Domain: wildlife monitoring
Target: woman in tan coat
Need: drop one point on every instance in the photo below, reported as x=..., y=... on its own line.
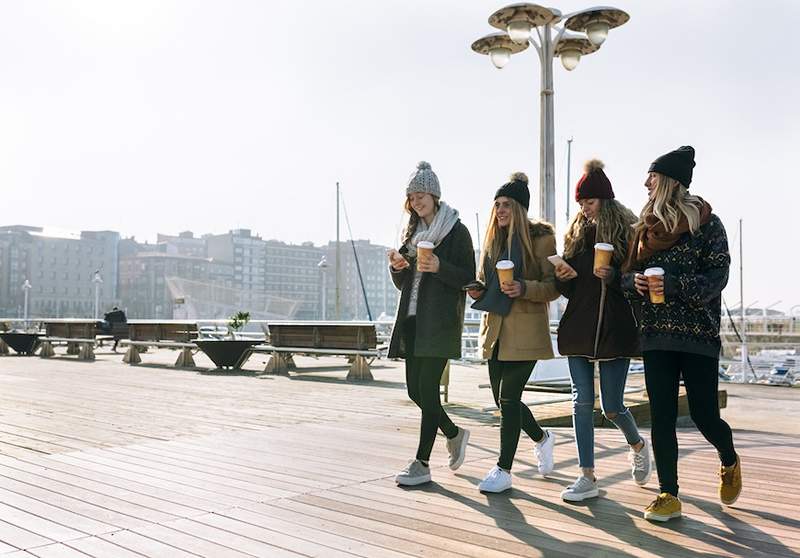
x=515, y=329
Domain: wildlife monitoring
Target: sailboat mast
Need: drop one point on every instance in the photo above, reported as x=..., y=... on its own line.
x=338, y=259
x=742, y=306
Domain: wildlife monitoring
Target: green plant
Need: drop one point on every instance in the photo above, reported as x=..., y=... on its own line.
x=238, y=321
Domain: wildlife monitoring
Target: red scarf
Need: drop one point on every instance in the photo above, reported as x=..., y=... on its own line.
x=654, y=237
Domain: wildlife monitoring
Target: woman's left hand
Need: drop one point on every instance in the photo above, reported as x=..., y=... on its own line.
x=603, y=272
x=512, y=289
x=430, y=264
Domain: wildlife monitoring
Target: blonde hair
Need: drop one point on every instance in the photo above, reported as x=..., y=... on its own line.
x=497, y=241
x=413, y=218
x=614, y=226
x=670, y=202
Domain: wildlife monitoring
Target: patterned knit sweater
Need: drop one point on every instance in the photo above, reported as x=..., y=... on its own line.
x=696, y=271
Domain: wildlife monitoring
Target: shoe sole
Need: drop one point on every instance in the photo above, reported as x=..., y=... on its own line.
x=462, y=451
x=485, y=491
x=661, y=518
x=580, y=497
x=732, y=502
x=413, y=482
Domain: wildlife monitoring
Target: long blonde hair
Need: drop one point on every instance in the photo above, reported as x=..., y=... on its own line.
x=614, y=226
x=670, y=202
x=497, y=242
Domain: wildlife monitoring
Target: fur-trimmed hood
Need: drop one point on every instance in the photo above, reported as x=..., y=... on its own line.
x=541, y=228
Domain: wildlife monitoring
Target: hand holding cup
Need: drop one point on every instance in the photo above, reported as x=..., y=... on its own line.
x=603, y=272
x=640, y=284
x=512, y=289
x=655, y=284
x=430, y=264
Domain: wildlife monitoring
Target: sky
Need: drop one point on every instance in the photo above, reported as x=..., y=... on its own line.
x=163, y=116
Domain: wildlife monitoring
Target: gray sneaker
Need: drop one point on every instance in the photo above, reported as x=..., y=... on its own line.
x=458, y=448
x=641, y=464
x=580, y=490
x=415, y=473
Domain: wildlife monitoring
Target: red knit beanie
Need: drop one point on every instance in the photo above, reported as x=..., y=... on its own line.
x=594, y=183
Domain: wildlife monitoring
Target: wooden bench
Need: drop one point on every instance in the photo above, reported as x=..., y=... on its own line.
x=79, y=335
x=356, y=340
x=172, y=334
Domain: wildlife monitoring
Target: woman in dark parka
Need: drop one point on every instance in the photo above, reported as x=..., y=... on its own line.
x=430, y=313
x=598, y=326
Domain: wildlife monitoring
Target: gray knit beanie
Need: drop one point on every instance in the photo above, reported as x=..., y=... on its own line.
x=424, y=180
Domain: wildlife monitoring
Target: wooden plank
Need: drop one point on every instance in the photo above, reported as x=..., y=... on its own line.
x=145, y=546
x=189, y=543
x=55, y=551
x=231, y=539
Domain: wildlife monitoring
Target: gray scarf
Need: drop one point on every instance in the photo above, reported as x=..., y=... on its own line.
x=443, y=222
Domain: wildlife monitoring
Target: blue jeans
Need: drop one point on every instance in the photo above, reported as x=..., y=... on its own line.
x=613, y=374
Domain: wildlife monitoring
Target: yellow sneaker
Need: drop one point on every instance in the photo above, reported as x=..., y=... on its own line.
x=663, y=508
x=730, y=483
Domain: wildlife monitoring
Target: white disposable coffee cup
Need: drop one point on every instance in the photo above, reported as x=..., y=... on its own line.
x=654, y=275
x=505, y=271
x=602, y=254
x=424, y=251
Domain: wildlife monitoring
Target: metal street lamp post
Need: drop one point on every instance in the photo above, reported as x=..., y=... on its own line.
x=26, y=287
x=323, y=267
x=524, y=24
x=97, y=282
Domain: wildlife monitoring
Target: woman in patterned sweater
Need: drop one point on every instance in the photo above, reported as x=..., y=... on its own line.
x=680, y=336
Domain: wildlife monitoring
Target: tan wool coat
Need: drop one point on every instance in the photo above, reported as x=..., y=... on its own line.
x=524, y=334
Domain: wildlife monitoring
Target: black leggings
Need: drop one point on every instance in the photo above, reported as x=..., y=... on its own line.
x=508, y=378
x=423, y=375
x=663, y=370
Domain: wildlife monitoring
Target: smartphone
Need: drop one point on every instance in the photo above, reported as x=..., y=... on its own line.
x=474, y=286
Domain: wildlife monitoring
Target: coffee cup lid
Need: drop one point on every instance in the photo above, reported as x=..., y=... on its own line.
x=505, y=264
x=425, y=244
x=604, y=246
x=653, y=271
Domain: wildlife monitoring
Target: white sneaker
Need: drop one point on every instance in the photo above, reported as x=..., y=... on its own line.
x=641, y=464
x=544, y=453
x=580, y=490
x=457, y=447
x=497, y=480
x=415, y=473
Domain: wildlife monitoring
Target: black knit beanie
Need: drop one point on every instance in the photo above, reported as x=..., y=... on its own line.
x=516, y=189
x=676, y=164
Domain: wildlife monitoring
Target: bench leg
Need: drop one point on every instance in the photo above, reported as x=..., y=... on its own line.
x=359, y=370
x=132, y=355
x=3, y=347
x=47, y=350
x=185, y=359
x=86, y=351
x=73, y=348
x=278, y=364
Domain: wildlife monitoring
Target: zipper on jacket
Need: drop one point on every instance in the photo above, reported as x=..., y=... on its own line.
x=600, y=315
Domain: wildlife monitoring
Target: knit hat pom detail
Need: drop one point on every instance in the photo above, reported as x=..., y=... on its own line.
x=424, y=180
x=594, y=184
x=518, y=177
x=593, y=165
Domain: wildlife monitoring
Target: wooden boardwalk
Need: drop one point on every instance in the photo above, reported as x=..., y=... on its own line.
x=106, y=460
